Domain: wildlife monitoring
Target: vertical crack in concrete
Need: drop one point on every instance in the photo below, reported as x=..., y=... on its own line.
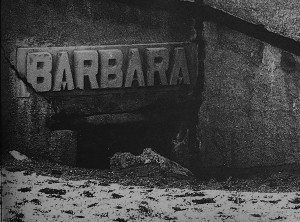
x=20, y=77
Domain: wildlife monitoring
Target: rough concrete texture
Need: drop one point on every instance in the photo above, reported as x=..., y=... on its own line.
x=251, y=110
x=73, y=23
x=63, y=146
x=30, y=23
x=278, y=16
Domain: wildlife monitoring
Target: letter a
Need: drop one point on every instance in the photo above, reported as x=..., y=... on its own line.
x=157, y=62
x=180, y=63
x=134, y=66
x=63, y=76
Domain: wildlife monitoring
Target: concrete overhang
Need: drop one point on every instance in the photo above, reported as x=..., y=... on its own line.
x=278, y=16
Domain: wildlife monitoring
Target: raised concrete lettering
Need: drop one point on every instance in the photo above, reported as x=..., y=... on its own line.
x=86, y=64
x=39, y=67
x=103, y=67
x=111, y=72
x=63, y=78
x=180, y=72
x=157, y=63
x=134, y=70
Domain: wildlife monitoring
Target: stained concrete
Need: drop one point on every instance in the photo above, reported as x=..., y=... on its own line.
x=278, y=16
x=251, y=111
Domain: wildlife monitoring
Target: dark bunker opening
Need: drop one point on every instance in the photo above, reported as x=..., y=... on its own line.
x=97, y=144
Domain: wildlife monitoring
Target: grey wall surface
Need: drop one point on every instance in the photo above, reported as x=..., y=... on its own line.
x=278, y=16
x=251, y=110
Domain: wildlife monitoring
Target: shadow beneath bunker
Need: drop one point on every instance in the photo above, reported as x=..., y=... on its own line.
x=97, y=144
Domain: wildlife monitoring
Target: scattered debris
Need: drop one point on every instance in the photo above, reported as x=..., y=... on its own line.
x=25, y=189
x=120, y=220
x=22, y=202
x=170, y=218
x=125, y=160
x=152, y=198
x=36, y=201
x=116, y=196
x=200, y=194
x=270, y=201
x=144, y=209
x=256, y=215
x=18, y=217
x=88, y=194
x=235, y=199
x=103, y=184
x=53, y=191
x=79, y=216
x=178, y=208
x=52, y=181
x=295, y=200
x=55, y=196
x=68, y=211
x=92, y=205
x=18, y=156
x=204, y=201
x=55, y=172
x=278, y=218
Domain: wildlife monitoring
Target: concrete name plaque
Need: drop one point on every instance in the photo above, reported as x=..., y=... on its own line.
x=88, y=68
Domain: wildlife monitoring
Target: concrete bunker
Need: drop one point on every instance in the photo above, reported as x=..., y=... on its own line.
x=249, y=114
x=91, y=93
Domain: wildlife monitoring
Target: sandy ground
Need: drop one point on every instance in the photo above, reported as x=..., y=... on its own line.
x=31, y=197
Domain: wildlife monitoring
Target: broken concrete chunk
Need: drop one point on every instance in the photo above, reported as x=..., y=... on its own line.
x=149, y=156
x=124, y=160
x=18, y=156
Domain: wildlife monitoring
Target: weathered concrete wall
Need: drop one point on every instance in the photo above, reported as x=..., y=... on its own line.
x=251, y=110
x=29, y=23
